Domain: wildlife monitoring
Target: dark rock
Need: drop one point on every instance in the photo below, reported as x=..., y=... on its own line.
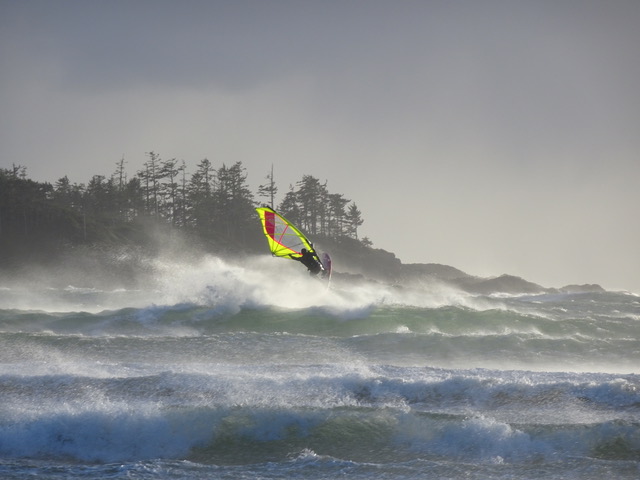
x=586, y=288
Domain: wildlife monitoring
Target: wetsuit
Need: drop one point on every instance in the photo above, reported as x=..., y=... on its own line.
x=309, y=260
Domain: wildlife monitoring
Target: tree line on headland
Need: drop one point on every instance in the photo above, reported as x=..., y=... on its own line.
x=213, y=205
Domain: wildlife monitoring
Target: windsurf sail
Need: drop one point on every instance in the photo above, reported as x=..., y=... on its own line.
x=283, y=237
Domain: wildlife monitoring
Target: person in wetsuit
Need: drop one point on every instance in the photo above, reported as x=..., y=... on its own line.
x=309, y=260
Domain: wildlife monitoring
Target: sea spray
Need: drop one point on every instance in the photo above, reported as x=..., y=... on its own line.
x=248, y=369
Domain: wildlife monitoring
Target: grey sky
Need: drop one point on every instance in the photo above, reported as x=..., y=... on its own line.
x=494, y=136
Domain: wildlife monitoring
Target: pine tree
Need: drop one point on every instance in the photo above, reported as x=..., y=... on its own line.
x=268, y=190
x=150, y=179
x=169, y=189
x=337, y=204
x=201, y=206
x=354, y=220
x=235, y=202
x=289, y=206
x=309, y=201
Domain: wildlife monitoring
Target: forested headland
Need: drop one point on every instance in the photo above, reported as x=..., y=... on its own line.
x=213, y=207
x=113, y=225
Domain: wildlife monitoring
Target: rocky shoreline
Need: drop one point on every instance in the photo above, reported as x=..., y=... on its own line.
x=359, y=264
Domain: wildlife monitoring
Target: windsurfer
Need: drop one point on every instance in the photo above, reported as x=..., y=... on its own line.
x=309, y=260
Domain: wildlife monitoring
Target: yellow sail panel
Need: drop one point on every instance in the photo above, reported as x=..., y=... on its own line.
x=283, y=237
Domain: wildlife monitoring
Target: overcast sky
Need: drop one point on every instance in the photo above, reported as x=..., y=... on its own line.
x=494, y=136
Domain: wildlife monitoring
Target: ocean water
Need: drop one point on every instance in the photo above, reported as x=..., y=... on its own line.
x=256, y=371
